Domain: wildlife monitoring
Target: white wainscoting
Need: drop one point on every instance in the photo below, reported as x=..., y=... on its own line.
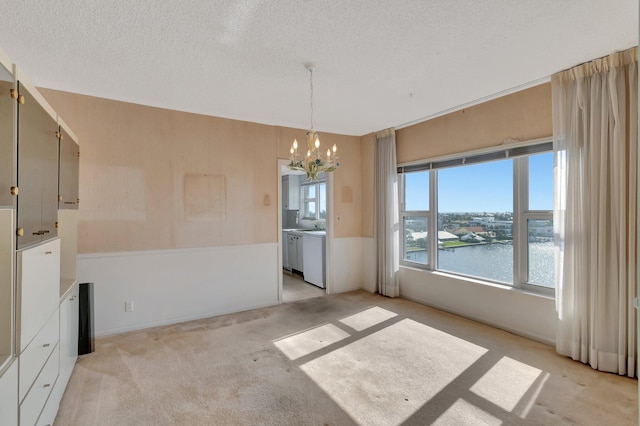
x=346, y=267
x=171, y=286
x=369, y=264
x=525, y=314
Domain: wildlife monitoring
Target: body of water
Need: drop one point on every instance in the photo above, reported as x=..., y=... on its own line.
x=495, y=262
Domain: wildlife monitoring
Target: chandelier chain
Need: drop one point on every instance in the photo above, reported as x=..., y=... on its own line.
x=311, y=97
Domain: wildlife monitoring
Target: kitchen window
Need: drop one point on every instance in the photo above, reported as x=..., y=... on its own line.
x=484, y=214
x=314, y=200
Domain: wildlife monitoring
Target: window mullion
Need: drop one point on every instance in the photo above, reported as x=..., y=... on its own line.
x=432, y=220
x=520, y=205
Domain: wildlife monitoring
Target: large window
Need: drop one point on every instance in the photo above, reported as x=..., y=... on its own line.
x=475, y=206
x=314, y=200
x=491, y=212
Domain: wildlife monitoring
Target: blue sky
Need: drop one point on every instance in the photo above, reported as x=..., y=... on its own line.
x=485, y=187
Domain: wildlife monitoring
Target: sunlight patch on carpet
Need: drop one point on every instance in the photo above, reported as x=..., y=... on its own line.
x=508, y=383
x=385, y=377
x=309, y=341
x=465, y=413
x=369, y=318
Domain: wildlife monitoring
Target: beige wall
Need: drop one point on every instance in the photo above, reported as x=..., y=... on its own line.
x=524, y=115
x=153, y=178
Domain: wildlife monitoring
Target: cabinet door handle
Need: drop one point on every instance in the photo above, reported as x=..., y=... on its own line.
x=46, y=345
x=48, y=252
x=46, y=385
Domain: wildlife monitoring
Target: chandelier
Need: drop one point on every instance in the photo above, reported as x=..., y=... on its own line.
x=312, y=164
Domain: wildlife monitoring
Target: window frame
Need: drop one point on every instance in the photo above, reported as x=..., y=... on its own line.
x=522, y=216
x=317, y=199
x=519, y=152
x=403, y=213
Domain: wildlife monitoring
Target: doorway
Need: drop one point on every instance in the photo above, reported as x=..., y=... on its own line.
x=301, y=216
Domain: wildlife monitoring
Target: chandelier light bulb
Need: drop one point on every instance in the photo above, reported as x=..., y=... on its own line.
x=328, y=154
x=317, y=142
x=335, y=148
x=295, y=144
x=309, y=153
x=291, y=150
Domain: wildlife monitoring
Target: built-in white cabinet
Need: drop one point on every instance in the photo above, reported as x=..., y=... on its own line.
x=68, y=334
x=7, y=287
x=38, y=285
x=8, y=109
x=291, y=192
x=38, y=288
x=68, y=196
x=38, y=146
x=33, y=404
x=9, y=395
x=33, y=358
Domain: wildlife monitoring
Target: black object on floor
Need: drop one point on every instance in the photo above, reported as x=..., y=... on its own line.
x=86, y=340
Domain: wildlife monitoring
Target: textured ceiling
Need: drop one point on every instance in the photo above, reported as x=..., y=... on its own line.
x=380, y=63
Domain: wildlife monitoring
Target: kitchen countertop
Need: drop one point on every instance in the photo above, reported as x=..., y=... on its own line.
x=314, y=232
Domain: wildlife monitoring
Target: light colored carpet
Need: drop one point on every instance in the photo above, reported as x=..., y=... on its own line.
x=347, y=359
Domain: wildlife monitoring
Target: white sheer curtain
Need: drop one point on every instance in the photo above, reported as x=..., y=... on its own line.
x=595, y=125
x=386, y=213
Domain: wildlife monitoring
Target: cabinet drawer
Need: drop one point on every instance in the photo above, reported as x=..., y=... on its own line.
x=35, y=355
x=51, y=407
x=39, y=288
x=33, y=404
x=69, y=319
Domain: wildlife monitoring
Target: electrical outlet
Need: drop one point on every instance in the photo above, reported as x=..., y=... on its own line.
x=128, y=306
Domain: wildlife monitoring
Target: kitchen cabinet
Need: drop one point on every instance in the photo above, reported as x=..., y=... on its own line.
x=37, y=200
x=7, y=127
x=68, y=197
x=295, y=251
x=285, y=251
x=291, y=192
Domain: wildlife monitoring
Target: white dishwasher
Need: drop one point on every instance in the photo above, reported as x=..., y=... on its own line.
x=313, y=257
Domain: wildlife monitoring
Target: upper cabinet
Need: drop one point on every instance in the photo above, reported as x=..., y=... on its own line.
x=7, y=134
x=291, y=192
x=68, y=197
x=37, y=205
